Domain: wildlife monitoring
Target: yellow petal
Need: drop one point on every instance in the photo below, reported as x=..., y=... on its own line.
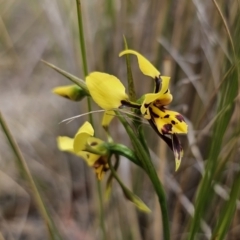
x=165, y=84
x=96, y=144
x=81, y=137
x=106, y=90
x=107, y=118
x=145, y=66
x=90, y=158
x=168, y=122
x=158, y=98
x=177, y=150
x=65, y=144
x=72, y=92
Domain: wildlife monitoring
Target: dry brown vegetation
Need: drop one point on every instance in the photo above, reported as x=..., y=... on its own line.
x=187, y=40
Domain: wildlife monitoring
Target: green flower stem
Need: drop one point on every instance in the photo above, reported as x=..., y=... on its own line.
x=85, y=70
x=53, y=233
x=81, y=37
x=122, y=150
x=142, y=138
x=131, y=88
x=150, y=170
x=101, y=213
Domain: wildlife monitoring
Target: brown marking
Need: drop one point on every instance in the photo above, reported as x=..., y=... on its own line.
x=173, y=122
x=146, y=105
x=166, y=116
x=167, y=128
x=93, y=144
x=180, y=118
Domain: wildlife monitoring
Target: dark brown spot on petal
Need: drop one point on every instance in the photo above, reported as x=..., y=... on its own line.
x=165, y=138
x=180, y=118
x=93, y=143
x=177, y=147
x=88, y=155
x=158, y=82
x=167, y=128
x=166, y=91
x=153, y=114
x=167, y=116
x=146, y=105
x=173, y=122
x=105, y=168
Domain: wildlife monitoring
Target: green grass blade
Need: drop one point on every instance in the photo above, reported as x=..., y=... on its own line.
x=227, y=96
x=53, y=233
x=71, y=77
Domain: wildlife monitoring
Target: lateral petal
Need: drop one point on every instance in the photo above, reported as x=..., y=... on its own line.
x=65, y=144
x=106, y=90
x=81, y=137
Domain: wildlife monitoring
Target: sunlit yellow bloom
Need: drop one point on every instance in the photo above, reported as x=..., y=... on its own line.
x=165, y=122
x=79, y=146
x=106, y=90
x=72, y=92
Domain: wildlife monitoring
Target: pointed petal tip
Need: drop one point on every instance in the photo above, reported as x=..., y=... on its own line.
x=177, y=164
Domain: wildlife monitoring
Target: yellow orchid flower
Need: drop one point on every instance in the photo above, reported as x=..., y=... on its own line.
x=164, y=122
x=109, y=93
x=79, y=146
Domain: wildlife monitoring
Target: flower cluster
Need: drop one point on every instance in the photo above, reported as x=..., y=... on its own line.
x=110, y=94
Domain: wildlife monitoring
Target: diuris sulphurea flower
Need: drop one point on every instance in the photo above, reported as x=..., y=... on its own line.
x=86, y=146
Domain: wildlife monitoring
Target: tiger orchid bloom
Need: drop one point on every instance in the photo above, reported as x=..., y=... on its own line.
x=86, y=146
x=153, y=108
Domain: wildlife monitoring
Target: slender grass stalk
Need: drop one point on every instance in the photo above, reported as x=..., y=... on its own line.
x=225, y=24
x=150, y=170
x=85, y=70
x=131, y=88
x=53, y=233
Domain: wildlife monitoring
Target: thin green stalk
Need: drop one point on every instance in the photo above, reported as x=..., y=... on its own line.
x=150, y=170
x=122, y=150
x=102, y=223
x=85, y=70
x=81, y=38
x=53, y=233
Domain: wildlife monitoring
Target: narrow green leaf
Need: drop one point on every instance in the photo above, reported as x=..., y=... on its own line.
x=71, y=77
x=226, y=96
x=52, y=230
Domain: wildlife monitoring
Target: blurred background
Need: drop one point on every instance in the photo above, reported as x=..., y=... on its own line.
x=184, y=39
